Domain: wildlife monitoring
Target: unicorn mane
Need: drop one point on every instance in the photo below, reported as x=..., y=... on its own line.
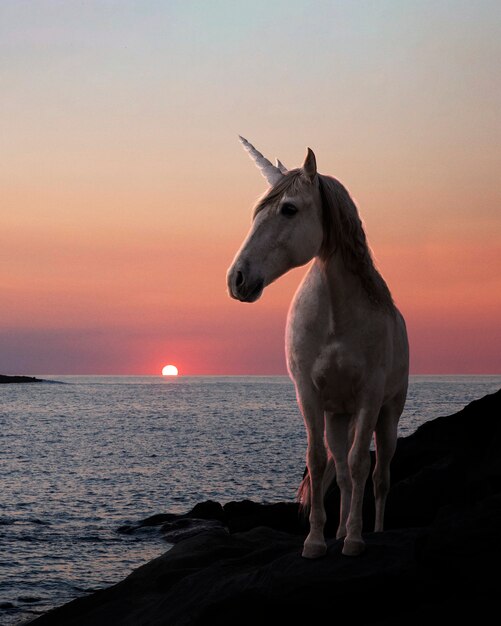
x=343, y=231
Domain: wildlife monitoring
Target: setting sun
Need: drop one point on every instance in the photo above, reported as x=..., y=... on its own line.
x=170, y=370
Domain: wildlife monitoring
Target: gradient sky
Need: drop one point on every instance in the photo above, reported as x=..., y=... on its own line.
x=125, y=193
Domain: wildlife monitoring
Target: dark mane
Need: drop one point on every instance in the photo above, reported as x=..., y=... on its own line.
x=343, y=231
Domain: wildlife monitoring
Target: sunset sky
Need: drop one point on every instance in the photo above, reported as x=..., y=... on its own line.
x=125, y=194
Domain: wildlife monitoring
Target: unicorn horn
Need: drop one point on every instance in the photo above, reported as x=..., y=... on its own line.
x=268, y=170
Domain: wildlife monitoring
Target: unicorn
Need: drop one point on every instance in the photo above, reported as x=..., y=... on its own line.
x=346, y=342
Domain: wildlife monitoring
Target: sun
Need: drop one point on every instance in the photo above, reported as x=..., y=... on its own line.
x=170, y=370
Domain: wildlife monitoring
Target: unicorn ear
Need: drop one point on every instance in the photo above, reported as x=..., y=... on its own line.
x=268, y=170
x=281, y=166
x=310, y=165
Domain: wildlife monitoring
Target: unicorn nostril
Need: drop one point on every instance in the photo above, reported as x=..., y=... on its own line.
x=239, y=279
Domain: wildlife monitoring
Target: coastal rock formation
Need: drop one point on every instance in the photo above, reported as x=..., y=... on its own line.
x=437, y=562
x=19, y=379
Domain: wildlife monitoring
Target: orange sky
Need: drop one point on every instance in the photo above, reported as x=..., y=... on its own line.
x=125, y=193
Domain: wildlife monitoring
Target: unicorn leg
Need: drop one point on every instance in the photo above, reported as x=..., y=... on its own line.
x=314, y=545
x=337, y=427
x=359, y=462
x=385, y=437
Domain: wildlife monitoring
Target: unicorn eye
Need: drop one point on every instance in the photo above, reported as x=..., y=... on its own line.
x=287, y=209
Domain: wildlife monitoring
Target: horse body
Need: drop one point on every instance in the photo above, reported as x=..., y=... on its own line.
x=338, y=346
x=346, y=343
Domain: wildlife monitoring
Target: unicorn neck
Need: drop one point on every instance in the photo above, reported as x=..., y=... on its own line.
x=351, y=274
x=348, y=298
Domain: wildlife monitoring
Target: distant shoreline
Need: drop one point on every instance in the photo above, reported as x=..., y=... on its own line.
x=20, y=379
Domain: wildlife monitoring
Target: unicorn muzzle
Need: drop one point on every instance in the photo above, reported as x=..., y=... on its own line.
x=243, y=286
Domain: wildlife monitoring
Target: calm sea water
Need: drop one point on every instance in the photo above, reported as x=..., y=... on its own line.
x=79, y=459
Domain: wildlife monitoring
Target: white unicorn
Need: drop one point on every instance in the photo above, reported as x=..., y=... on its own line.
x=346, y=342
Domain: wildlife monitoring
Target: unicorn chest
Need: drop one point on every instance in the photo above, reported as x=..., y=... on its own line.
x=337, y=375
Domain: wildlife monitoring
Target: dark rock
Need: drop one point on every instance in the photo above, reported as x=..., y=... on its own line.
x=236, y=516
x=244, y=515
x=447, y=465
x=208, y=510
x=26, y=379
x=184, y=528
x=19, y=379
x=437, y=562
x=153, y=520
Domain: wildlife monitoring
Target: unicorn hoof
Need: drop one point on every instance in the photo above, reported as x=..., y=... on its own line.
x=314, y=550
x=353, y=548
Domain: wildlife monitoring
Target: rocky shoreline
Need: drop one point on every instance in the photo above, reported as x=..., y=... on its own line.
x=240, y=563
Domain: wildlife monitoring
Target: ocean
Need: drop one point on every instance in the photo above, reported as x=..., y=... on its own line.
x=81, y=458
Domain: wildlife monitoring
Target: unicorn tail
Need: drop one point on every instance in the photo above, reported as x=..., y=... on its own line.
x=304, y=491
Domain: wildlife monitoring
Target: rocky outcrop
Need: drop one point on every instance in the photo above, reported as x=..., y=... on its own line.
x=240, y=563
x=19, y=379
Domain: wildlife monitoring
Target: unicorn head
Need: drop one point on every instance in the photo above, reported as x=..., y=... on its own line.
x=286, y=229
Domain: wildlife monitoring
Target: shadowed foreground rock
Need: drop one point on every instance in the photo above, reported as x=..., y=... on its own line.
x=438, y=562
